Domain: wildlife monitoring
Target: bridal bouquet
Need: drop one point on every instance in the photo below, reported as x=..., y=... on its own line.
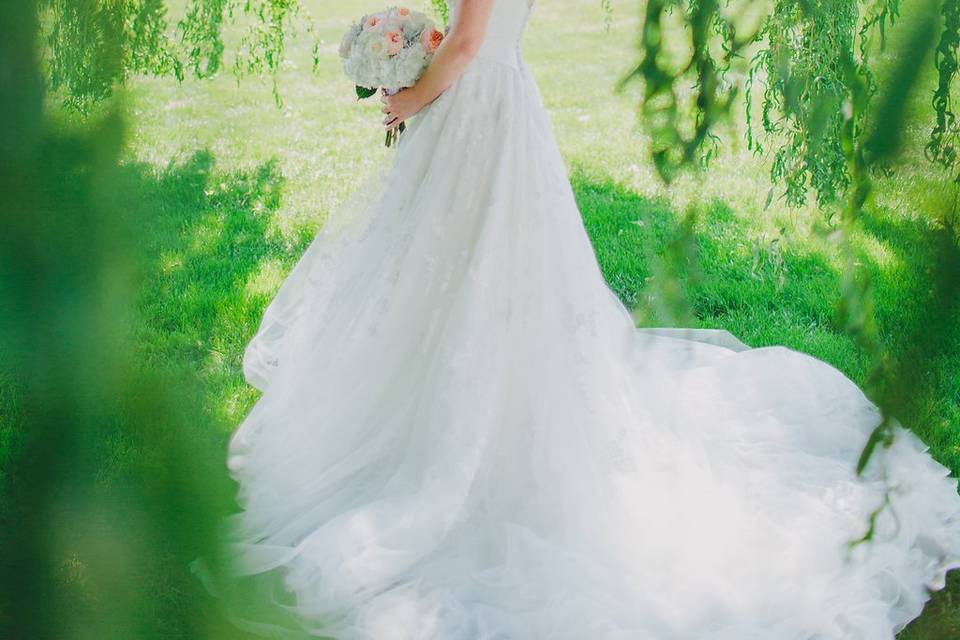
x=389, y=50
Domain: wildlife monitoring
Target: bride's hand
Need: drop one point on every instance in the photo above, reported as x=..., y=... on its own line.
x=399, y=107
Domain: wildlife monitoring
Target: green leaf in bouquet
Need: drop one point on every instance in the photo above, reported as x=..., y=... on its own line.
x=364, y=92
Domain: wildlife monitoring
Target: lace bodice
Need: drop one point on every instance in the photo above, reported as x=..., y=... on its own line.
x=504, y=30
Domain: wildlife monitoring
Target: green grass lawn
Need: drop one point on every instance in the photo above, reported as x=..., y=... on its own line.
x=227, y=190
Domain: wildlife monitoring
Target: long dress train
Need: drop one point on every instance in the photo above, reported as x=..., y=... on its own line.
x=463, y=436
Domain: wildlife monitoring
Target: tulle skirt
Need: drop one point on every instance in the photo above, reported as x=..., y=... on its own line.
x=462, y=435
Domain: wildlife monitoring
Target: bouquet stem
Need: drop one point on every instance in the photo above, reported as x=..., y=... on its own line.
x=393, y=135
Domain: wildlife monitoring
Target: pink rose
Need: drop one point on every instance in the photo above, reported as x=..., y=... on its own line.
x=394, y=42
x=372, y=22
x=431, y=39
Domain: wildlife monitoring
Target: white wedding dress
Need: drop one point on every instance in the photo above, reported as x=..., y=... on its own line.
x=463, y=436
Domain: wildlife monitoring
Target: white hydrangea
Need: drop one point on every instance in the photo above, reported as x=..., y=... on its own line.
x=409, y=66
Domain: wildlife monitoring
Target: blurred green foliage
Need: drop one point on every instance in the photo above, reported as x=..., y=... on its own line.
x=90, y=546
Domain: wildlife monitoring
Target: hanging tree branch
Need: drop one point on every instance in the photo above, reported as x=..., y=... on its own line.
x=673, y=148
x=945, y=136
x=94, y=45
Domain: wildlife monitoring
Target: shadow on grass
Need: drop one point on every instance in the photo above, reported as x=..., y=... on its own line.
x=213, y=264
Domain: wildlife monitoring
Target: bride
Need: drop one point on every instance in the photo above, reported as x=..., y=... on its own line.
x=462, y=435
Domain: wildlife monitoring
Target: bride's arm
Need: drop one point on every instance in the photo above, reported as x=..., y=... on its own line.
x=455, y=52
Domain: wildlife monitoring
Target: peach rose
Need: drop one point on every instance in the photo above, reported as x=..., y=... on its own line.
x=394, y=42
x=403, y=12
x=372, y=22
x=431, y=39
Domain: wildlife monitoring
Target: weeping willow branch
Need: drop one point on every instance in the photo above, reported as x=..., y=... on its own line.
x=801, y=52
x=804, y=70
x=94, y=45
x=673, y=148
x=945, y=136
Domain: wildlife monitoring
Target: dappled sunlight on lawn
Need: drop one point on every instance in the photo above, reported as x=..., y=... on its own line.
x=206, y=235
